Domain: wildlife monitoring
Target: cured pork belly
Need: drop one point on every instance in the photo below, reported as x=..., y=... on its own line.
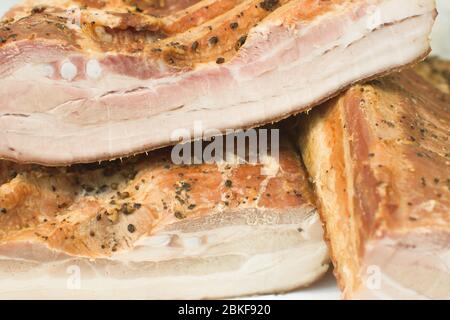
x=148, y=229
x=93, y=80
x=379, y=157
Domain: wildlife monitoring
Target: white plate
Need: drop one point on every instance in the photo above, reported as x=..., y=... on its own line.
x=327, y=288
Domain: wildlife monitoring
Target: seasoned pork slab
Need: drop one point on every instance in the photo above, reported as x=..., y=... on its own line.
x=148, y=229
x=93, y=80
x=379, y=156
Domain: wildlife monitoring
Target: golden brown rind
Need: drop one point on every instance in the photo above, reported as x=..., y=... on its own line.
x=96, y=210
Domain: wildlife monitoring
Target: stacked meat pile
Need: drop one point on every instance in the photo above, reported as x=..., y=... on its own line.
x=88, y=87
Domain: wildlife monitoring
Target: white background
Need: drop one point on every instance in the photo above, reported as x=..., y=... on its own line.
x=326, y=288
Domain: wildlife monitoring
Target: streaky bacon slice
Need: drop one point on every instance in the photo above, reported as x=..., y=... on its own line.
x=145, y=228
x=94, y=80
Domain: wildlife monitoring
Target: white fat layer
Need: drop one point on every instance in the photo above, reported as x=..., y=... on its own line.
x=192, y=242
x=415, y=265
x=283, y=270
x=155, y=241
x=46, y=70
x=432, y=282
x=222, y=262
x=169, y=245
